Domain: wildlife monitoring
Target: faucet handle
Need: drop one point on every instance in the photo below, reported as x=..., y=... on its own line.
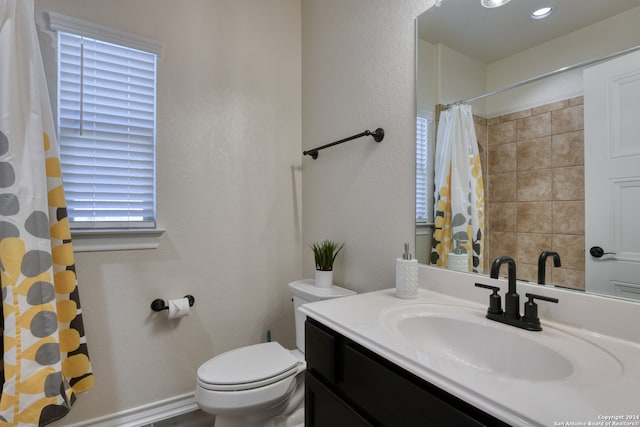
x=540, y=297
x=531, y=310
x=495, y=301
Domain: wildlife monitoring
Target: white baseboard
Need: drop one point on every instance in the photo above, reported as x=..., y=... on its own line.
x=145, y=414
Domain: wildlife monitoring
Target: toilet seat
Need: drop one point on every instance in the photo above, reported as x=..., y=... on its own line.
x=248, y=367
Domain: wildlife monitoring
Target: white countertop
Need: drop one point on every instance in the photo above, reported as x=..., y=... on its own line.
x=519, y=402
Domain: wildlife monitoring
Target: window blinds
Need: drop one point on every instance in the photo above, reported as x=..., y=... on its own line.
x=106, y=129
x=422, y=170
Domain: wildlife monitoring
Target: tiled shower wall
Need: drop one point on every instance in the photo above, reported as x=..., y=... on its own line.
x=533, y=165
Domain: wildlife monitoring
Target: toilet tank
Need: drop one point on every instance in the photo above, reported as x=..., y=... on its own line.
x=305, y=291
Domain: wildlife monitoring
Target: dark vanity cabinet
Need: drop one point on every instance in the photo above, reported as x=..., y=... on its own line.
x=350, y=386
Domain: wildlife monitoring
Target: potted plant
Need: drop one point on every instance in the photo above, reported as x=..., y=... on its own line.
x=325, y=253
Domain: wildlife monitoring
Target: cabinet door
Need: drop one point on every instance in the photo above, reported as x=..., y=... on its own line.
x=320, y=351
x=393, y=399
x=324, y=409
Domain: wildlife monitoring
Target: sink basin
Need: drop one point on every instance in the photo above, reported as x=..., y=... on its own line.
x=459, y=338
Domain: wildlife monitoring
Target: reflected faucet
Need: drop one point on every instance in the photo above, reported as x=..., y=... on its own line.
x=542, y=264
x=511, y=299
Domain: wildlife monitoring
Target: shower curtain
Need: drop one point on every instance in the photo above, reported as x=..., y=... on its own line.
x=459, y=192
x=45, y=355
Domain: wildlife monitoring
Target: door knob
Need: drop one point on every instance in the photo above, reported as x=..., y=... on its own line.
x=597, y=252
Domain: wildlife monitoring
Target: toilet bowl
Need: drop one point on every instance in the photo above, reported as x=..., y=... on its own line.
x=261, y=385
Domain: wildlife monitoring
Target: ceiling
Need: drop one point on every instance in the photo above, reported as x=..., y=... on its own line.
x=493, y=29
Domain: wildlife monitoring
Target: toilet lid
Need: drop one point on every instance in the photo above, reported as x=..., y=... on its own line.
x=248, y=367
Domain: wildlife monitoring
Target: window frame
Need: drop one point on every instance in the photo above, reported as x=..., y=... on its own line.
x=107, y=239
x=423, y=225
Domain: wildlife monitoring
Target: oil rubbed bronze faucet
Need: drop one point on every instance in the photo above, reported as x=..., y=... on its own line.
x=511, y=315
x=542, y=264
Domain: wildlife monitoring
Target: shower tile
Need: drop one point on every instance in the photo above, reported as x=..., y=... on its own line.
x=485, y=176
x=502, y=243
x=522, y=221
x=550, y=107
x=502, y=133
x=528, y=272
x=534, y=185
x=517, y=115
x=480, y=126
x=479, y=120
x=571, y=250
x=535, y=217
x=502, y=187
x=502, y=216
x=530, y=245
x=567, y=149
x=567, y=120
x=568, y=183
x=502, y=158
x=534, y=126
x=567, y=278
x=534, y=153
x=578, y=100
x=568, y=217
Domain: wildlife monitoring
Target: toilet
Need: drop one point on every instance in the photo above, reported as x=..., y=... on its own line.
x=262, y=385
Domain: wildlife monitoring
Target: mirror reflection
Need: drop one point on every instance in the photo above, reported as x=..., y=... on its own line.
x=552, y=152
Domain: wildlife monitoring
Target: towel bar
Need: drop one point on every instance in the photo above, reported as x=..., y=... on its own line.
x=378, y=135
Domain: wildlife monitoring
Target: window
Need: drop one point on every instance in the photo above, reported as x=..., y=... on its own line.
x=106, y=110
x=106, y=131
x=106, y=100
x=424, y=170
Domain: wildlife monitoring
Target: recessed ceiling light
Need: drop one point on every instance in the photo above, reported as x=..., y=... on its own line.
x=494, y=3
x=541, y=13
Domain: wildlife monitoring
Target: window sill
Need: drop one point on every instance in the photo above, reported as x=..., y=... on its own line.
x=424, y=228
x=115, y=240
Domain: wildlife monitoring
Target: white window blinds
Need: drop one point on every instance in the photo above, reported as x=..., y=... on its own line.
x=106, y=130
x=422, y=170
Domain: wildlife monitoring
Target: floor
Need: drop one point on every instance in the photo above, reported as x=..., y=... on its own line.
x=190, y=419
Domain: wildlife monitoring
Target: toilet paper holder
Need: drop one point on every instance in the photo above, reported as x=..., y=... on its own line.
x=159, y=304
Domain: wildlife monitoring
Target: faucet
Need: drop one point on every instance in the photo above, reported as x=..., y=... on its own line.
x=542, y=264
x=511, y=315
x=511, y=299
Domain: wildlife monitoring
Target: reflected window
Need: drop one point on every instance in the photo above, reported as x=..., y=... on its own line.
x=424, y=168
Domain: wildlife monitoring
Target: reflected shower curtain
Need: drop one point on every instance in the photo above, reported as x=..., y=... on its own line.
x=459, y=192
x=45, y=355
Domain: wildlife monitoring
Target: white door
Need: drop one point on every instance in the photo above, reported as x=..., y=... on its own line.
x=612, y=176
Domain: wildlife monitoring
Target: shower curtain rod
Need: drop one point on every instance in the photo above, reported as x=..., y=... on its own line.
x=544, y=76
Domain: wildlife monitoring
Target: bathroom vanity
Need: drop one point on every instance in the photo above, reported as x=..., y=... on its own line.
x=377, y=360
x=348, y=385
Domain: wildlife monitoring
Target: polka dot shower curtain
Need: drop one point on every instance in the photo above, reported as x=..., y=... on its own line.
x=45, y=355
x=459, y=192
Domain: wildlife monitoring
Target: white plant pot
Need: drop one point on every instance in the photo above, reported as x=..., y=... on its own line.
x=324, y=279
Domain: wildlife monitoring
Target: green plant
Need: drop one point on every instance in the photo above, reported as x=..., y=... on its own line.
x=325, y=253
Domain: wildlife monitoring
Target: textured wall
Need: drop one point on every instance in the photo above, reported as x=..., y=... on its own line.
x=228, y=159
x=229, y=151
x=358, y=62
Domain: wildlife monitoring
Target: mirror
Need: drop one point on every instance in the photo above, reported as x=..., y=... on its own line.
x=531, y=138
